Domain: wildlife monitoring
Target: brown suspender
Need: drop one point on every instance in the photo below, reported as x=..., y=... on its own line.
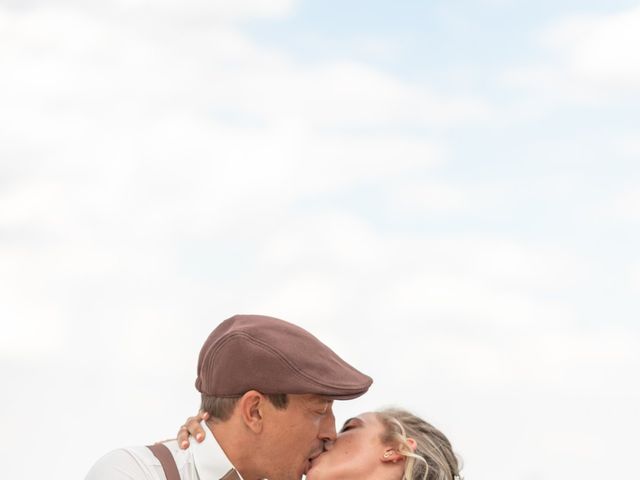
x=231, y=475
x=163, y=454
x=168, y=463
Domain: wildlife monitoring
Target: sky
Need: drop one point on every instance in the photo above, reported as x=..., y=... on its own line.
x=446, y=193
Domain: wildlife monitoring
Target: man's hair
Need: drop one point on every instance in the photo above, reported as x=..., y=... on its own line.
x=221, y=408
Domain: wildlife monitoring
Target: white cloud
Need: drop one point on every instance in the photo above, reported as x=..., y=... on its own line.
x=600, y=49
x=592, y=59
x=120, y=137
x=219, y=8
x=625, y=205
x=32, y=327
x=34, y=322
x=172, y=10
x=634, y=277
x=452, y=279
x=430, y=198
x=97, y=113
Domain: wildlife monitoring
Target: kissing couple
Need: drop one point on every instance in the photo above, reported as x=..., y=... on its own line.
x=267, y=389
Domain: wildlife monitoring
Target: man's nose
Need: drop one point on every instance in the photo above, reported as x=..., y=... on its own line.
x=328, y=445
x=328, y=427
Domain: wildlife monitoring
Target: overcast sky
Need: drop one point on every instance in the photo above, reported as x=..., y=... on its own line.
x=446, y=193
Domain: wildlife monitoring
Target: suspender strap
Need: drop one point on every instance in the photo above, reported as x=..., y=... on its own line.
x=231, y=475
x=167, y=461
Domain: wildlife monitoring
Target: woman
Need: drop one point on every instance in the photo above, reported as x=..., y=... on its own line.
x=390, y=444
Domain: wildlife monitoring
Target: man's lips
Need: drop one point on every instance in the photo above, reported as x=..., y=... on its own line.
x=307, y=466
x=311, y=459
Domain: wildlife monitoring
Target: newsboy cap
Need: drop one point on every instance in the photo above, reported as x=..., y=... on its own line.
x=255, y=352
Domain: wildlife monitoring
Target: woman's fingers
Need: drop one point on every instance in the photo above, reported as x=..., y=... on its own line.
x=192, y=427
x=183, y=437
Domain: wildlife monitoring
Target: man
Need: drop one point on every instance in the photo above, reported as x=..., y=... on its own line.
x=268, y=387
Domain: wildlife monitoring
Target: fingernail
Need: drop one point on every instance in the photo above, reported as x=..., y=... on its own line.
x=184, y=444
x=199, y=437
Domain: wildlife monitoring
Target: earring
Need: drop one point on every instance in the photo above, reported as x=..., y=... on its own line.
x=387, y=454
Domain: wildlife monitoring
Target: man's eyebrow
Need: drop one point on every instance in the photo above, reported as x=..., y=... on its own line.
x=320, y=402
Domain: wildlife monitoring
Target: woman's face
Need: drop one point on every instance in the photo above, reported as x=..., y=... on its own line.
x=356, y=453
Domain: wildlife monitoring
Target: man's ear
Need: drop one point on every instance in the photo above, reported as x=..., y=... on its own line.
x=250, y=408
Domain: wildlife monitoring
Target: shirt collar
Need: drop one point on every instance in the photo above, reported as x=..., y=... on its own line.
x=209, y=458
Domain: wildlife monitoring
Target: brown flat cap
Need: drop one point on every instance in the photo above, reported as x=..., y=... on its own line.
x=254, y=352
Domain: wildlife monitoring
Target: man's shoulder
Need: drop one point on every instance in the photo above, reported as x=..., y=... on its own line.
x=133, y=463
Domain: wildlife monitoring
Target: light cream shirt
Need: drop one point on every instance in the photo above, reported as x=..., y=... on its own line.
x=201, y=461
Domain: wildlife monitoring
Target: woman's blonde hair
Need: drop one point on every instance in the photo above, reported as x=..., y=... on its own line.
x=433, y=458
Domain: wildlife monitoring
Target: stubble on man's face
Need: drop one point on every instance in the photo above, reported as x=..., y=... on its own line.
x=296, y=434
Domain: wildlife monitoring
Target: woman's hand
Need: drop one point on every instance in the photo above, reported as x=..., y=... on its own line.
x=192, y=427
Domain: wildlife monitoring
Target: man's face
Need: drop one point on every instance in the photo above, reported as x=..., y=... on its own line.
x=295, y=435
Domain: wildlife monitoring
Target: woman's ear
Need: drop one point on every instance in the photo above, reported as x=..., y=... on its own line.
x=391, y=455
x=412, y=444
x=250, y=408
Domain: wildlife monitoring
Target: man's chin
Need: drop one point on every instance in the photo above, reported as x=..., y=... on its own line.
x=309, y=471
x=307, y=467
